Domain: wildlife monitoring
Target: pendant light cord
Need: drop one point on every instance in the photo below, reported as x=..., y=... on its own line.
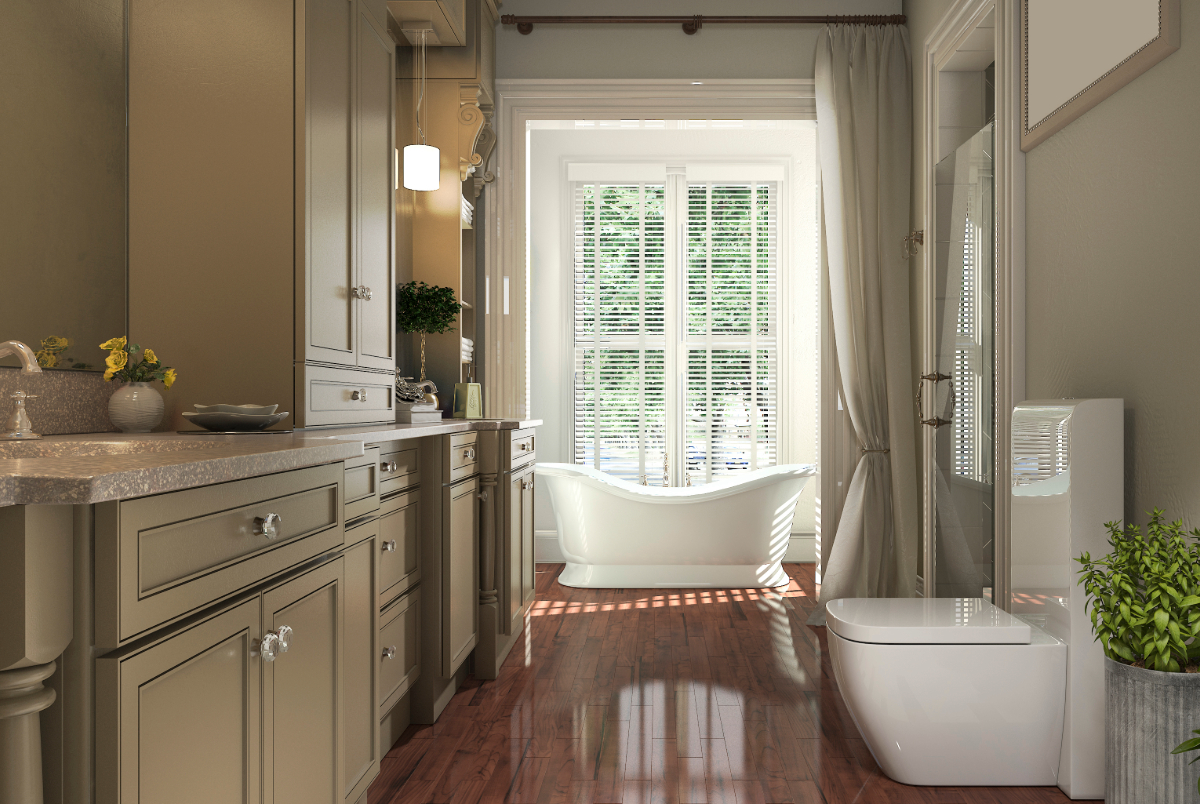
x=419, y=67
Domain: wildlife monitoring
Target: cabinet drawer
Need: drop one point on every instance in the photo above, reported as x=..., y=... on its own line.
x=362, y=484
x=463, y=458
x=522, y=447
x=398, y=469
x=159, y=558
x=399, y=547
x=399, y=649
x=344, y=396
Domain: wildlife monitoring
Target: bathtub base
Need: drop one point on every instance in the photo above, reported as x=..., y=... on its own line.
x=670, y=576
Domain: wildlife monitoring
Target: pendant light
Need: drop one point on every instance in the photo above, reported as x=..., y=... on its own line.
x=422, y=163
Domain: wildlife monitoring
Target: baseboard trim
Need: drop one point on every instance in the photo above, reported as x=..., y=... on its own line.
x=802, y=547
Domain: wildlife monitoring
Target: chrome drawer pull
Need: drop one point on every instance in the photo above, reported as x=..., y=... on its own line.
x=389, y=652
x=275, y=643
x=389, y=546
x=268, y=525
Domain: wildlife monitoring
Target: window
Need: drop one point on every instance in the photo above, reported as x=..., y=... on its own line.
x=676, y=327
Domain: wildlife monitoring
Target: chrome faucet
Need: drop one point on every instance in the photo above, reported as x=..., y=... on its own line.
x=19, y=427
x=29, y=364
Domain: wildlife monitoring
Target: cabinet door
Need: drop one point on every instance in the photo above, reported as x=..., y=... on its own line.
x=179, y=720
x=302, y=690
x=527, y=560
x=359, y=665
x=460, y=573
x=375, y=179
x=323, y=182
x=511, y=549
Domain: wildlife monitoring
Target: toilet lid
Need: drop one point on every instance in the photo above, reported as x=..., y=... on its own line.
x=925, y=621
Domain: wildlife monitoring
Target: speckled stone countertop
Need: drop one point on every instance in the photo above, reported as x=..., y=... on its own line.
x=78, y=469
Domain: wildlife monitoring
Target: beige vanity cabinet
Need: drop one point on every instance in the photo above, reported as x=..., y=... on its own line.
x=507, y=582
x=261, y=264
x=245, y=705
x=449, y=569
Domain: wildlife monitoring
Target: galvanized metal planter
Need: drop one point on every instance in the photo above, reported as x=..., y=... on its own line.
x=1147, y=713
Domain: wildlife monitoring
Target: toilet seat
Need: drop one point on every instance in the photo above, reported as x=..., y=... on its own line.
x=950, y=691
x=925, y=621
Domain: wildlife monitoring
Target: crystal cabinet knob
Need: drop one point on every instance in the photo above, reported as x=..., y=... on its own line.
x=389, y=652
x=360, y=395
x=469, y=453
x=268, y=525
x=389, y=467
x=389, y=546
x=274, y=643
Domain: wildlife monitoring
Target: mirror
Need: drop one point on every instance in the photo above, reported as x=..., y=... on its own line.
x=63, y=195
x=964, y=332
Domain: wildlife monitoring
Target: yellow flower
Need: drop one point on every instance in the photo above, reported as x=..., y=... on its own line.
x=116, y=360
x=149, y=356
x=169, y=377
x=46, y=358
x=114, y=344
x=55, y=344
x=108, y=374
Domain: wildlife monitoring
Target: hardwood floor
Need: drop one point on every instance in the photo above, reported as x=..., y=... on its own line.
x=652, y=696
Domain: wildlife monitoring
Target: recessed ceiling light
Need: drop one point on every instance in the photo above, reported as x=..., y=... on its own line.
x=697, y=83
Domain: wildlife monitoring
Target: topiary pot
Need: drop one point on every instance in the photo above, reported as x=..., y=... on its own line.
x=1147, y=713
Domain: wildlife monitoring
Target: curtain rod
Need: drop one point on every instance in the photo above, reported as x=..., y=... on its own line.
x=694, y=23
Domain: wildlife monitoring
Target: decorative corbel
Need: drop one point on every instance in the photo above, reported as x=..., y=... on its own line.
x=471, y=121
x=484, y=149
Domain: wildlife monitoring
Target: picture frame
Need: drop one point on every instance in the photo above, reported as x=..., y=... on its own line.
x=1076, y=53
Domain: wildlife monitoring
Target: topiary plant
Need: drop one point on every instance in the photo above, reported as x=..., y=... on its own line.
x=1144, y=596
x=425, y=309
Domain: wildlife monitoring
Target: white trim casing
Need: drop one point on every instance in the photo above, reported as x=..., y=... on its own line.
x=958, y=23
x=506, y=372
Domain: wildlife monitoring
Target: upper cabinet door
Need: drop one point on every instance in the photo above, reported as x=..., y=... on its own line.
x=375, y=183
x=323, y=180
x=302, y=742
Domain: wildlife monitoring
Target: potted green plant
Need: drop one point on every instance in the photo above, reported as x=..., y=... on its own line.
x=1144, y=603
x=426, y=310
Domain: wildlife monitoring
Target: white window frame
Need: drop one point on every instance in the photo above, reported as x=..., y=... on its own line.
x=693, y=170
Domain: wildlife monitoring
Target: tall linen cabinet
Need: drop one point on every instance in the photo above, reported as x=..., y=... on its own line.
x=261, y=203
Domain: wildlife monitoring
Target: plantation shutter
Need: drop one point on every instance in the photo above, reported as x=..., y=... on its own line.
x=620, y=417
x=731, y=328
x=706, y=392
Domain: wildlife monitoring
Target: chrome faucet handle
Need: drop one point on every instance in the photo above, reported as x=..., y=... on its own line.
x=19, y=427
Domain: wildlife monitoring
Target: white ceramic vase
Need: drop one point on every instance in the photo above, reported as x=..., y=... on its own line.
x=135, y=408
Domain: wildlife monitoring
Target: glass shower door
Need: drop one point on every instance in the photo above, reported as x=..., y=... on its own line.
x=963, y=380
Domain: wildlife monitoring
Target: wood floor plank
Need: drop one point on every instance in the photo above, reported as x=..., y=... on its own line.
x=653, y=696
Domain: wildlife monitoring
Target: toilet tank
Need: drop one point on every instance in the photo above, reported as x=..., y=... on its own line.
x=1067, y=481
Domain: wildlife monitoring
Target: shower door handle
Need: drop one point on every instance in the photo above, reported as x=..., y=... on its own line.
x=935, y=378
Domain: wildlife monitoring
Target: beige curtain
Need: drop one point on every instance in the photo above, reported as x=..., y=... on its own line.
x=864, y=130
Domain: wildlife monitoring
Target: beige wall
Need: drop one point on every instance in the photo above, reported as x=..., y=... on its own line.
x=62, y=159
x=665, y=51
x=1111, y=279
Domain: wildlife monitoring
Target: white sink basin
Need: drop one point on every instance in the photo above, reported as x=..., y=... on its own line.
x=76, y=448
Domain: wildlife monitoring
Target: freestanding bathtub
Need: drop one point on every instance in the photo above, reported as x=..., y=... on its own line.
x=728, y=534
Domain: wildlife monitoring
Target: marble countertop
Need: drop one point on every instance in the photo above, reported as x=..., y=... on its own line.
x=80, y=469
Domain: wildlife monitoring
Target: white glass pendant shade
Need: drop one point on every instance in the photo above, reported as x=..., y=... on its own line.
x=422, y=167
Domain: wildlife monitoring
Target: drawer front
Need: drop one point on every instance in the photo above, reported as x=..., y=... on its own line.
x=399, y=649
x=399, y=547
x=362, y=484
x=398, y=470
x=344, y=396
x=522, y=447
x=464, y=456
x=159, y=558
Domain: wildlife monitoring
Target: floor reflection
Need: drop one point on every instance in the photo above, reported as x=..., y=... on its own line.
x=639, y=696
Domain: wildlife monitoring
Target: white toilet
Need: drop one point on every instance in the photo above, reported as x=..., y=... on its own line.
x=951, y=691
